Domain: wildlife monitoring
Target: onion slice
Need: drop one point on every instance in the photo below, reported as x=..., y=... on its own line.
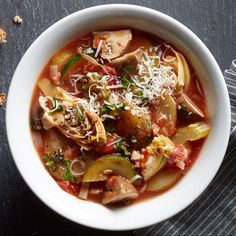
x=136, y=180
x=77, y=167
x=83, y=194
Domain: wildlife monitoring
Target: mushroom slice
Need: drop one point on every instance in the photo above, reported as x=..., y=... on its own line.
x=119, y=189
x=111, y=43
x=186, y=105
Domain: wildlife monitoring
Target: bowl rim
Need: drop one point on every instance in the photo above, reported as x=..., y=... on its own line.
x=144, y=10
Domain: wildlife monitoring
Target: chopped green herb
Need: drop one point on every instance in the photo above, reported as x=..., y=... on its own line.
x=121, y=146
x=182, y=107
x=50, y=163
x=56, y=156
x=139, y=93
x=84, y=156
x=52, y=155
x=46, y=157
x=53, y=168
x=80, y=113
x=126, y=83
x=110, y=129
x=106, y=109
x=118, y=145
x=67, y=175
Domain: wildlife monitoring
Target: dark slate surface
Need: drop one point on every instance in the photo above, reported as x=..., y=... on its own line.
x=214, y=21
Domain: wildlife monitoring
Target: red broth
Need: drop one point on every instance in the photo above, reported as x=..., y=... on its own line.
x=69, y=148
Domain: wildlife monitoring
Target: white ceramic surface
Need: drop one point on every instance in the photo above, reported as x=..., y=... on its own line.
x=147, y=212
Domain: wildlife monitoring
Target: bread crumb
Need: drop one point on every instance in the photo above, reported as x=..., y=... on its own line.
x=3, y=98
x=17, y=20
x=3, y=36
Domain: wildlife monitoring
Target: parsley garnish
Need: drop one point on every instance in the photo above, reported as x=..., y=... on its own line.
x=67, y=175
x=121, y=146
x=126, y=83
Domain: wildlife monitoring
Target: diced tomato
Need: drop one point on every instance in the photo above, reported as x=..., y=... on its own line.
x=109, y=146
x=96, y=42
x=145, y=154
x=68, y=186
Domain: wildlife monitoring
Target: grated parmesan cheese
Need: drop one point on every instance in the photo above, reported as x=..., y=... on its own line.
x=99, y=48
x=154, y=80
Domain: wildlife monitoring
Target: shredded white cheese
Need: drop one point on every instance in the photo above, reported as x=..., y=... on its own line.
x=155, y=79
x=99, y=48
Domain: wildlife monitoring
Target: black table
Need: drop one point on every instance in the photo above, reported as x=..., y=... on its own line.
x=214, y=21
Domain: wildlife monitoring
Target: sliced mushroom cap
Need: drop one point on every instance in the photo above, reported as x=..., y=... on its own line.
x=189, y=105
x=112, y=43
x=119, y=189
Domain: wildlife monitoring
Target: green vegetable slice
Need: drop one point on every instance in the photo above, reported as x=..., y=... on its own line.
x=74, y=59
x=118, y=164
x=192, y=132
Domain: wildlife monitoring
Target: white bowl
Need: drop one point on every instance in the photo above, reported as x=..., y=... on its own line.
x=147, y=212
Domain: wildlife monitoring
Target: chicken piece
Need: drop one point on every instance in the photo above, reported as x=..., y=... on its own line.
x=111, y=43
x=119, y=189
x=133, y=58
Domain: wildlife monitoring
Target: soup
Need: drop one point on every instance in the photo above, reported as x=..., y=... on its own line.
x=118, y=116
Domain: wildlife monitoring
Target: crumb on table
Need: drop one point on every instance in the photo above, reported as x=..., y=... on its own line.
x=17, y=20
x=3, y=98
x=3, y=36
